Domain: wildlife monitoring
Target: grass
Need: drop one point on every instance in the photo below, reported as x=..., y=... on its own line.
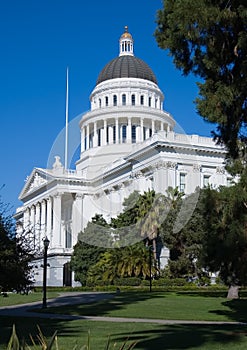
x=16, y=299
x=149, y=336
x=171, y=306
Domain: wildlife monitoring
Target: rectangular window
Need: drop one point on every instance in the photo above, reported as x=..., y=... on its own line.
x=206, y=180
x=142, y=100
x=123, y=99
x=124, y=133
x=133, y=100
x=182, y=182
x=133, y=134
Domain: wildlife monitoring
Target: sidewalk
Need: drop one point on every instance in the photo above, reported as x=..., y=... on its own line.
x=25, y=310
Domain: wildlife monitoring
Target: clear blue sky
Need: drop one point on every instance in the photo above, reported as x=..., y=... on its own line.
x=39, y=39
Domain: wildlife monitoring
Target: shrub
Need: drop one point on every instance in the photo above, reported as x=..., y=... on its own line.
x=127, y=281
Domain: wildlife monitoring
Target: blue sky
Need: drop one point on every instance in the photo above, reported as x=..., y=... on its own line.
x=39, y=39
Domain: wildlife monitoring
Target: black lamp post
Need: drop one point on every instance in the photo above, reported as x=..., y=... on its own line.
x=46, y=245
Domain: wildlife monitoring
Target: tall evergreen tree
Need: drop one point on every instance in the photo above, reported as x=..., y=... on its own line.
x=209, y=39
x=225, y=240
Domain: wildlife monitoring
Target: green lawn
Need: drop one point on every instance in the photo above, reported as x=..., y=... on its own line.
x=149, y=336
x=15, y=299
x=171, y=306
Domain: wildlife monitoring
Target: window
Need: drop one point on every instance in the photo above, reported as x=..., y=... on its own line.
x=114, y=100
x=124, y=133
x=106, y=101
x=100, y=103
x=142, y=100
x=99, y=137
x=123, y=99
x=114, y=133
x=107, y=134
x=133, y=134
x=90, y=141
x=182, y=182
x=206, y=180
x=149, y=101
x=133, y=100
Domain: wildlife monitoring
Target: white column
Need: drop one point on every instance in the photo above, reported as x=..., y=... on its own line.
x=56, y=233
x=83, y=139
x=141, y=131
x=104, y=141
x=147, y=133
x=161, y=126
x=117, y=130
x=32, y=219
x=87, y=137
x=26, y=219
x=110, y=135
x=95, y=135
x=77, y=217
x=153, y=130
x=129, y=129
x=37, y=225
x=49, y=219
x=43, y=219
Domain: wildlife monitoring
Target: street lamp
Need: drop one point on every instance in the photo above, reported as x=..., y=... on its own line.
x=46, y=245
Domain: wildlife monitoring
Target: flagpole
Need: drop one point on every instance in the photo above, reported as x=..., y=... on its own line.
x=66, y=121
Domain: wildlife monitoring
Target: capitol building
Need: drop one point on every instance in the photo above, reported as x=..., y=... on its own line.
x=128, y=143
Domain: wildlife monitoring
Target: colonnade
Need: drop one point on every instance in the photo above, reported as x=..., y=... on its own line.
x=118, y=130
x=46, y=218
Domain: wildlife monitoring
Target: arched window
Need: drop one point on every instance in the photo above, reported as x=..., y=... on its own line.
x=123, y=99
x=114, y=100
x=149, y=101
x=106, y=101
x=133, y=100
x=142, y=100
x=100, y=103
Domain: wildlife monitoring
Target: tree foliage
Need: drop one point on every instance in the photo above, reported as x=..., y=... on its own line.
x=15, y=256
x=209, y=39
x=184, y=244
x=86, y=255
x=225, y=241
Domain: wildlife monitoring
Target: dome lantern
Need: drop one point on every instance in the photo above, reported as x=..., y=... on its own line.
x=126, y=46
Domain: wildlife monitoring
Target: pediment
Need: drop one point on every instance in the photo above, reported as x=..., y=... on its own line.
x=37, y=179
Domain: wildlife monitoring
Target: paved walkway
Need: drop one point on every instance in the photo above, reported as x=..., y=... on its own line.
x=25, y=310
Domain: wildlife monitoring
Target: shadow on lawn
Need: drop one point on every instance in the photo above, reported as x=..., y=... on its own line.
x=158, y=337
x=237, y=310
x=104, y=307
x=187, y=337
x=29, y=326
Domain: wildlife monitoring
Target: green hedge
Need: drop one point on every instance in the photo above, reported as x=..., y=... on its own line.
x=127, y=281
